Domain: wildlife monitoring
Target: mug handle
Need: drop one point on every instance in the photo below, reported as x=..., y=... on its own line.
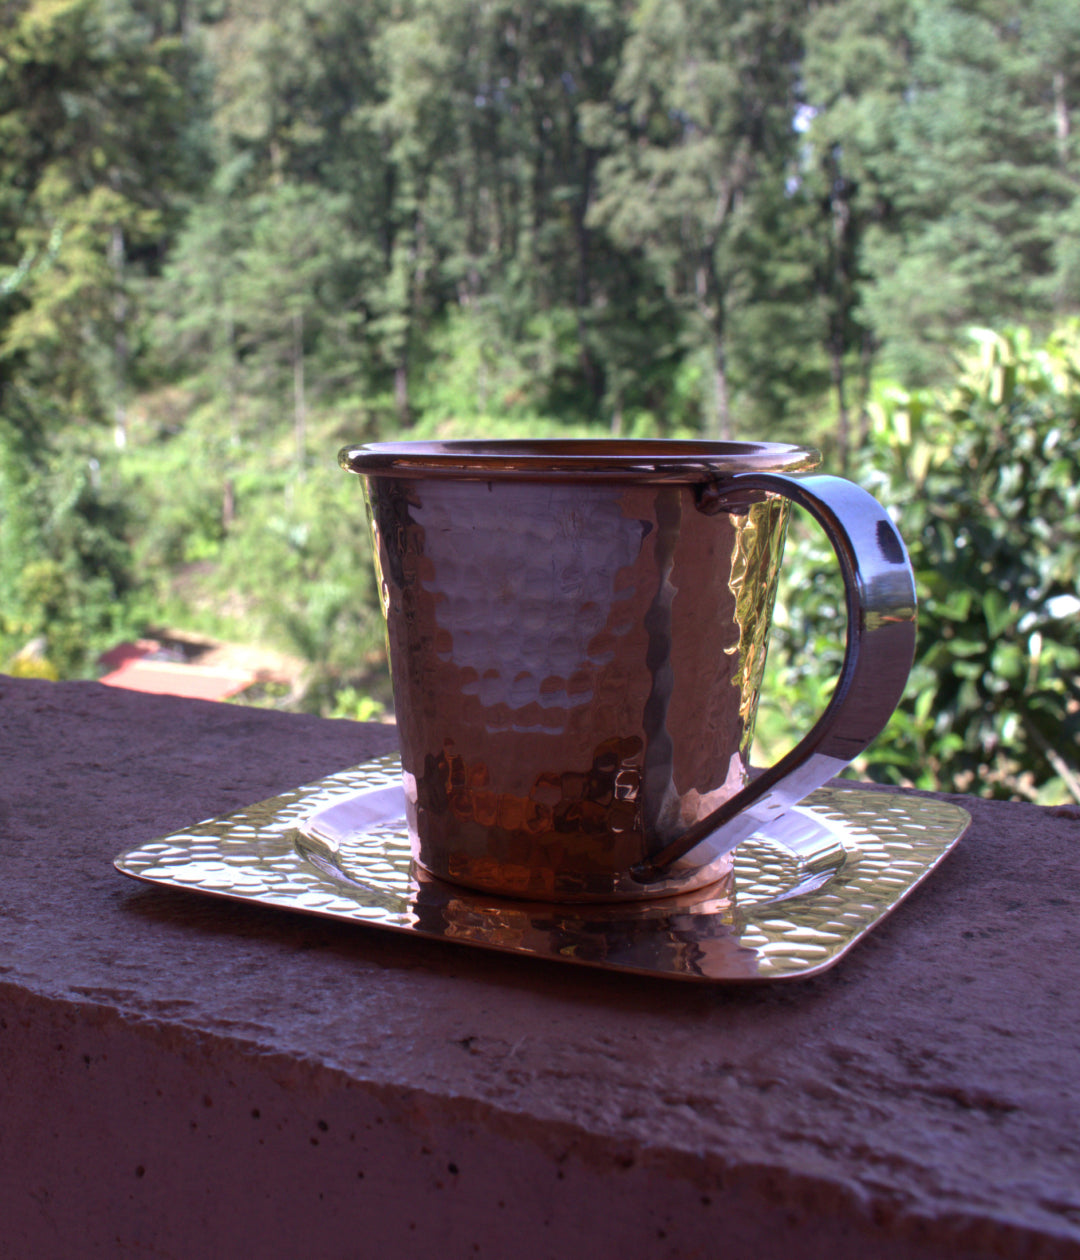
x=880, y=589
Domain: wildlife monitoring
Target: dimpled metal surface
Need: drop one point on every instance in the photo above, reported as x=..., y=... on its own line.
x=577, y=633
x=792, y=903
x=576, y=673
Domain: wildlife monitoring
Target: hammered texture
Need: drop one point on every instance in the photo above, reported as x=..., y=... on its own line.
x=576, y=672
x=794, y=902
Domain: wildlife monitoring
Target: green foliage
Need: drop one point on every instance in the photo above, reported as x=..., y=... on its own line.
x=356, y=706
x=66, y=586
x=698, y=136
x=982, y=480
x=234, y=237
x=100, y=112
x=955, y=124
x=240, y=545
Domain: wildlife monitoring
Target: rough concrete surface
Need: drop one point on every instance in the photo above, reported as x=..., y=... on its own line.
x=181, y=1077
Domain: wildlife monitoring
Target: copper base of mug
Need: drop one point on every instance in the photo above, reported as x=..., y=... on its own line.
x=534, y=877
x=576, y=836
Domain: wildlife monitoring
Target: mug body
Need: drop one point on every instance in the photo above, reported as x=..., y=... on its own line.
x=576, y=650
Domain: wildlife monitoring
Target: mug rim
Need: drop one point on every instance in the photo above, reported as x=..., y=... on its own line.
x=555, y=459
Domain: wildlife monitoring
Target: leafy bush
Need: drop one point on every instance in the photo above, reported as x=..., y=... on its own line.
x=983, y=484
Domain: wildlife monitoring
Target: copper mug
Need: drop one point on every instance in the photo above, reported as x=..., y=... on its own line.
x=577, y=632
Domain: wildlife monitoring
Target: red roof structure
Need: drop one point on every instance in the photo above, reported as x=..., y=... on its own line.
x=169, y=678
x=139, y=667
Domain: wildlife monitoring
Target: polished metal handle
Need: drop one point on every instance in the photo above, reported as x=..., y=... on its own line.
x=880, y=589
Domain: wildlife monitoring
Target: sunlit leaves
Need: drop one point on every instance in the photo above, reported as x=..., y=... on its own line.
x=983, y=481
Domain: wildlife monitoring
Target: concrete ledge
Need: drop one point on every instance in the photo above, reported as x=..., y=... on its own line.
x=186, y=1078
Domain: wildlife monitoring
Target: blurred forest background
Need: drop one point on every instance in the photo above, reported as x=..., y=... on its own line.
x=236, y=234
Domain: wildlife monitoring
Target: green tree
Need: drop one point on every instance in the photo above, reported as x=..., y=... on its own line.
x=700, y=122
x=100, y=109
x=955, y=125
x=101, y=106
x=856, y=73
x=493, y=181
x=67, y=586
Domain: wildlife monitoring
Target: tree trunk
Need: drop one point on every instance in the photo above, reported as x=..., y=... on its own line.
x=231, y=389
x=401, y=390
x=1061, y=118
x=299, y=401
x=228, y=504
x=841, y=191
x=843, y=420
x=722, y=427
x=593, y=382
x=867, y=351
x=711, y=309
x=117, y=260
x=617, y=416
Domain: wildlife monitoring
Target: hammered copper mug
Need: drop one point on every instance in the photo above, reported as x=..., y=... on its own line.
x=577, y=632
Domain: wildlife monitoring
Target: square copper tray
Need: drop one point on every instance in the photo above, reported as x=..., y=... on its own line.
x=798, y=899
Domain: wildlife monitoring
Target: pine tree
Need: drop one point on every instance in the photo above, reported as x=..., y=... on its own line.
x=955, y=122
x=100, y=111
x=700, y=123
